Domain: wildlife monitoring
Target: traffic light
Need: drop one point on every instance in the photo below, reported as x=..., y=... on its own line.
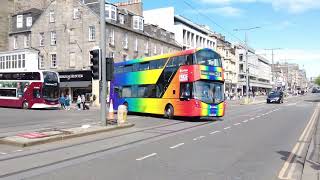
x=95, y=61
x=109, y=69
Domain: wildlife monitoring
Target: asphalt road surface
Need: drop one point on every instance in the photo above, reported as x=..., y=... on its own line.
x=252, y=142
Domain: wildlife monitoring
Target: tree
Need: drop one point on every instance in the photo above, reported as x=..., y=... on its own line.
x=318, y=80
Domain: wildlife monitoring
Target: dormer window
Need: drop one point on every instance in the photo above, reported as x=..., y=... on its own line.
x=138, y=23
x=111, y=12
x=29, y=21
x=19, y=21
x=121, y=18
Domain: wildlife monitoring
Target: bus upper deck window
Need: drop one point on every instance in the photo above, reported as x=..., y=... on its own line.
x=189, y=59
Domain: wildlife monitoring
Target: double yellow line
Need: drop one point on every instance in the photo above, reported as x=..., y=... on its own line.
x=288, y=169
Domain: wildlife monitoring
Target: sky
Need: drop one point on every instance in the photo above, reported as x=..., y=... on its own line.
x=291, y=25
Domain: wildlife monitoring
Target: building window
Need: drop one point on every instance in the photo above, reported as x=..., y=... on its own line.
x=240, y=57
x=29, y=21
x=125, y=57
x=76, y=13
x=51, y=16
x=53, y=60
x=146, y=50
x=19, y=21
x=53, y=38
x=136, y=45
x=15, y=42
x=26, y=41
x=161, y=50
x=155, y=49
x=41, y=62
x=138, y=23
x=92, y=33
x=111, y=37
x=23, y=59
x=72, y=59
x=111, y=12
x=121, y=18
x=111, y=54
x=15, y=61
x=41, y=39
x=125, y=41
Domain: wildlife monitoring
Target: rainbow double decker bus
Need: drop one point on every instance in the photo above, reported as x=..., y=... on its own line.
x=188, y=83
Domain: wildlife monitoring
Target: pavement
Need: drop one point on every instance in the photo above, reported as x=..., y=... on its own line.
x=251, y=142
x=311, y=167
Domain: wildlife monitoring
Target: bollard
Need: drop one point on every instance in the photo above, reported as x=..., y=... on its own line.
x=122, y=114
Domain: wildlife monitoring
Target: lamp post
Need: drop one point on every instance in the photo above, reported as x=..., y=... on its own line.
x=247, y=68
x=272, y=65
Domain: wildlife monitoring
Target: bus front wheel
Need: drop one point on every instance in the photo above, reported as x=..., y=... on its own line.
x=169, y=112
x=25, y=105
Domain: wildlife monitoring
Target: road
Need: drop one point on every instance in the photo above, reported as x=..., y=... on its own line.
x=252, y=142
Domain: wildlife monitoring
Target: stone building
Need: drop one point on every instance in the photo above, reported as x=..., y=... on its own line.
x=20, y=28
x=5, y=16
x=68, y=30
x=230, y=62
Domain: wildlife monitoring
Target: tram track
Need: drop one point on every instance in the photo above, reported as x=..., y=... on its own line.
x=98, y=151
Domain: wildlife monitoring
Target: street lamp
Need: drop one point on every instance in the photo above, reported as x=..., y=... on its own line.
x=272, y=66
x=247, y=68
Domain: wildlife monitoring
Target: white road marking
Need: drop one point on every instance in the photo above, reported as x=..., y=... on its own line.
x=3, y=153
x=227, y=127
x=214, y=132
x=252, y=119
x=19, y=150
x=62, y=122
x=147, y=156
x=245, y=121
x=296, y=152
x=175, y=146
x=258, y=116
x=197, y=138
x=236, y=124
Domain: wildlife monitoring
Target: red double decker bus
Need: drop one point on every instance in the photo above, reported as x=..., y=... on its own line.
x=38, y=89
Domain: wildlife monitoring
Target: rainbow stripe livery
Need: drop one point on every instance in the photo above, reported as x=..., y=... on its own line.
x=149, y=86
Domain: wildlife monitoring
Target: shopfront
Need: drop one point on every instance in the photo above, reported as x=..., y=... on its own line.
x=75, y=83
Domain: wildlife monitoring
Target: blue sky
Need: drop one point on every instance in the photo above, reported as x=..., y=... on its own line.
x=292, y=25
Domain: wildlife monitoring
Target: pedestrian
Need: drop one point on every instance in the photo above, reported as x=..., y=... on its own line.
x=79, y=102
x=62, y=102
x=83, y=101
x=67, y=102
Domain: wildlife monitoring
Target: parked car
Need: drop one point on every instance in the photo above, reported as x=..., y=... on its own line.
x=275, y=97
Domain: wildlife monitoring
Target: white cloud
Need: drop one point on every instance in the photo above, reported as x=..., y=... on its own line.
x=227, y=11
x=295, y=6
x=291, y=6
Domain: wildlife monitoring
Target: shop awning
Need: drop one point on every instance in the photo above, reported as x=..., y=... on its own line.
x=73, y=84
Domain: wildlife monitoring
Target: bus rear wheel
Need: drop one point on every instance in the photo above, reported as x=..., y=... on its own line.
x=25, y=105
x=169, y=112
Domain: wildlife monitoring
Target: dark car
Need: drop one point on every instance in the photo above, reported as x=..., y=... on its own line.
x=315, y=90
x=275, y=97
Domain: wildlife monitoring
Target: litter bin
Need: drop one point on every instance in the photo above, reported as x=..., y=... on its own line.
x=122, y=114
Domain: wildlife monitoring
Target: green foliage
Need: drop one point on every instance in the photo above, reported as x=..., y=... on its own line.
x=318, y=80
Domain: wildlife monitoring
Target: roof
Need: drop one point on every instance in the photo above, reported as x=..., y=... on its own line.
x=33, y=12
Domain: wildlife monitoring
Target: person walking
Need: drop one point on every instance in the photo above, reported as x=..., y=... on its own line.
x=79, y=102
x=62, y=102
x=67, y=102
x=83, y=101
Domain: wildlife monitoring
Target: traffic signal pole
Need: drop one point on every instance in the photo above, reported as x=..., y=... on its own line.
x=103, y=66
